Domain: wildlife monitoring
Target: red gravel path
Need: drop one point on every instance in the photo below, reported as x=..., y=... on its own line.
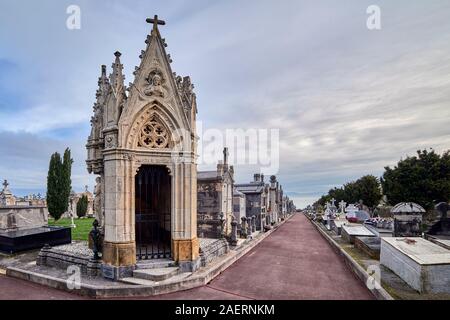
x=295, y=262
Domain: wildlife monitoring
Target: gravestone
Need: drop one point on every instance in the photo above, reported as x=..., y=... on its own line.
x=330, y=214
x=342, y=205
x=407, y=219
x=441, y=229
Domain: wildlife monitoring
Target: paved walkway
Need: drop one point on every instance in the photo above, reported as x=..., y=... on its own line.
x=294, y=262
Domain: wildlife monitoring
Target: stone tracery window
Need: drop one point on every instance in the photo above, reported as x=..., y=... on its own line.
x=154, y=135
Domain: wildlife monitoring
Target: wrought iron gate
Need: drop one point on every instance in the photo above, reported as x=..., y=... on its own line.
x=153, y=213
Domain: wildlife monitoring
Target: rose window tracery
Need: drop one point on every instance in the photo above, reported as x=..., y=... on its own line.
x=154, y=135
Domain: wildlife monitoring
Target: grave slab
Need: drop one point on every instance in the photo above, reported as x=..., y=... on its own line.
x=442, y=242
x=369, y=245
x=423, y=265
x=379, y=232
x=350, y=232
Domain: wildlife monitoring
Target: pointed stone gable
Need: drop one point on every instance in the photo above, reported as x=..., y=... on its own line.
x=157, y=91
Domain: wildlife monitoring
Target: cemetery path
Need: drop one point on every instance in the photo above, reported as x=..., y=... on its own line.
x=294, y=262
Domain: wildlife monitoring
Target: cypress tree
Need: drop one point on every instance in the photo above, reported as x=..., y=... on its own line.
x=82, y=206
x=55, y=208
x=59, y=184
x=66, y=178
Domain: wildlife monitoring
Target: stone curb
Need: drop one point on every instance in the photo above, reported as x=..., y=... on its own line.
x=379, y=294
x=100, y=292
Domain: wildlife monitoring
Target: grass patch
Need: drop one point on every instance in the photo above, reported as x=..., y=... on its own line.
x=81, y=232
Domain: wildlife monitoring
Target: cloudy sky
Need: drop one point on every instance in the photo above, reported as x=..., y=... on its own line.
x=347, y=100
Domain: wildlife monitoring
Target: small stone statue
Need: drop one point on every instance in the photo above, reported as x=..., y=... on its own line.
x=234, y=224
x=98, y=210
x=155, y=88
x=244, y=227
x=221, y=230
x=96, y=240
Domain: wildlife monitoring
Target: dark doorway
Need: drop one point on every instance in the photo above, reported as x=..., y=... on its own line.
x=153, y=213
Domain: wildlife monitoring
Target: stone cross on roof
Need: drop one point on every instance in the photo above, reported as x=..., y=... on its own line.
x=5, y=184
x=155, y=22
x=333, y=202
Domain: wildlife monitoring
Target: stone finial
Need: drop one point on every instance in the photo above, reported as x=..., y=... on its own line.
x=117, y=78
x=225, y=156
x=103, y=86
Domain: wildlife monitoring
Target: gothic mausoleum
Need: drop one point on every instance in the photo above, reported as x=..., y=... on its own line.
x=143, y=147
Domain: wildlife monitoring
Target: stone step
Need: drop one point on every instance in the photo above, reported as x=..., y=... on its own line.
x=159, y=274
x=154, y=264
x=137, y=281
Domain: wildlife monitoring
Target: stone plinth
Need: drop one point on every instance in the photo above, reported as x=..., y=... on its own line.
x=422, y=264
x=75, y=254
x=34, y=238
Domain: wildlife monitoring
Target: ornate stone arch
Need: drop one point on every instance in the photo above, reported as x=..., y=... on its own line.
x=152, y=129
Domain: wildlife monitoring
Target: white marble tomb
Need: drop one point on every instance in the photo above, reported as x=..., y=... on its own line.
x=422, y=264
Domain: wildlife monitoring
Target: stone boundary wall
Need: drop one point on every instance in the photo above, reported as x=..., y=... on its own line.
x=212, y=249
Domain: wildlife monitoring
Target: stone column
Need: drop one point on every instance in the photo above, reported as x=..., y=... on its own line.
x=119, y=248
x=185, y=244
x=234, y=225
x=253, y=223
